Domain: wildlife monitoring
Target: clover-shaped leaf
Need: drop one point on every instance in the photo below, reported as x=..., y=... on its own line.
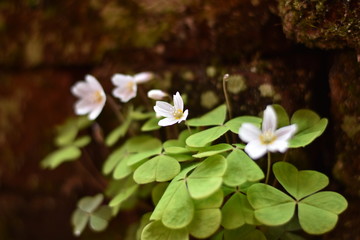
x=150, y=125
x=237, y=211
x=282, y=116
x=207, y=216
x=212, y=118
x=241, y=169
x=213, y=150
x=128, y=187
x=157, y=231
x=117, y=133
x=207, y=177
x=88, y=211
x=160, y=169
x=235, y=123
x=318, y=213
x=272, y=207
x=202, y=138
x=299, y=183
x=175, y=208
x=309, y=127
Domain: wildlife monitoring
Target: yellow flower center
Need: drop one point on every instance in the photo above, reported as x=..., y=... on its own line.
x=178, y=113
x=130, y=86
x=98, y=97
x=267, y=137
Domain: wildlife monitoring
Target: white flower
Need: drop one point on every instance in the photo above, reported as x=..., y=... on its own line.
x=126, y=85
x=267, y=139
x=156, y=94
x=92, y=97
x=173, y=114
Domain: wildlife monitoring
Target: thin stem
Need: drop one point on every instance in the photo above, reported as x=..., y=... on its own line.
x=115, y=107
x=268, y=168
x=188, y=127
x=226, y=76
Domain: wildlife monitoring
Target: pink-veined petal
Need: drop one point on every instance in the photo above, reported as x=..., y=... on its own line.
x=255, y=149
x=95, y=112
x=178, y=101
x=285, y=133
x=93, y=83
x=167, y=122
x=121, y=79
x=249, y=132
x=164, y=109
x=143, y=77
x=278, y=146
x=269, y=120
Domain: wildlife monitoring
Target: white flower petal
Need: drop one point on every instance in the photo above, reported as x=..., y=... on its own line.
x=83, y=107
x=80, y=89
x=285, y=133
x=143, y=77
x=93, y=83
x=178, y=101
x=278, y=146
x=249, y=132
x=121, y=79
x=95, y=112
x=255, y=149
x=125, y=93
x=184, y=116
x=167, y=122
x=270, y=120
x=164, y=109
x=156, y=94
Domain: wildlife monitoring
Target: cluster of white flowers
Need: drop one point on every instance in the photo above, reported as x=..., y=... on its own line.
x=92, y=97
x=259, y=142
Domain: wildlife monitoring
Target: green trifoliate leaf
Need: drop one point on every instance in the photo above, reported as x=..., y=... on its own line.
x=240, y=169
x=282, y=116
x=157, y=231
x=213, y=150
x=212, y=118
x=175, y=207
x=237, y=211
x=100, y=218
x=309, y=127
x=246, y=232
x=145, y=141
x=117, y=133
x=318, y=213
x=202, y=138
x=207, y=177
x=145, y=220
x=126, y=190
x=90, y=203
x=151, y=125
x=123, y=170
x=205, y=222
x=181, y=157
x=235, y=123
x=60, y=156
x=272, y=207
x=79, y=220
x=160, y=169
x=283, y=232
x=299, y=183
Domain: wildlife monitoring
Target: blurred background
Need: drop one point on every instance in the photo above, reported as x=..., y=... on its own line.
x=300, y=54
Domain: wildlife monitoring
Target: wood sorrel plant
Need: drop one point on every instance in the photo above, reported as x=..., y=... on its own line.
x=201, y=184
